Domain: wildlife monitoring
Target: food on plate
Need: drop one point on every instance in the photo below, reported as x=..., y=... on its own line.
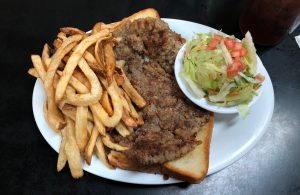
x=112, y=93
x=222, y=69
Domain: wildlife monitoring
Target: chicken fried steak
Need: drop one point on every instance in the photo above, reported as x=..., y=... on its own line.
x=149, y=48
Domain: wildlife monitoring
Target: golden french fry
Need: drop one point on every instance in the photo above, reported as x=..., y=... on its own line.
x=100, y=152
x=99, y=112
x=105, y=102
x=61, y=36
x=72, y=151
x=87, y=98
x=91, y=145
x=97, y=122
x=46, y=56
x=81, y=133
x=77, y=74
x=72, y=31
x=99, y=55
x=39, y=67
x=110, y=61
x=97, y=27
x=57, y=43
x=62, y=157
x=138, y=118
x=132, y=93
x=74, y=60
x=122, y=129
x=128, y=121
x=119, y=79
x=33, y=72
x=70, y=111
x=108, y=143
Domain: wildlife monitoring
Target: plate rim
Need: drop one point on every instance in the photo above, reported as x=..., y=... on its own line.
x=245, y=149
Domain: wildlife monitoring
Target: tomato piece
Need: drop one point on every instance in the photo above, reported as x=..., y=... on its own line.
x=238, y=45
x=229, y=42
x=235, y=54
x=234, y=93
x=234, y=68
x=212, y=44
x=218, y=37
x=241, y=67
x=260, y=77
x=212, y=92
x=243, y=51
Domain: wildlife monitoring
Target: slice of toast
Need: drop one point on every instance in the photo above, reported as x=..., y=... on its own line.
x=192, y=167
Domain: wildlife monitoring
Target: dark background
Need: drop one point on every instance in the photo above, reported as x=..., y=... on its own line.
x=28, y=163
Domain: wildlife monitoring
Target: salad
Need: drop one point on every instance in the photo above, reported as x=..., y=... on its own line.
x=222, y=69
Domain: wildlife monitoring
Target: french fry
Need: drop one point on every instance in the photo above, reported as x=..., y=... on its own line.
x=91, y=145
x=57, y=43
x=72, y=31
x=132, y=93
x=72, y=151
x=81, y=133
x=74, y=60
x=100, y=113
x=110, y=61
x=128, y=121
x=61, y=35
x=119, y=79
x=62, y=157
x=108, y=143
x=97, y=122
x=99, y=67
x=82, y=78
x=39, y=67
x=46, y=56
x=138, y=119
x=100, y=152
x=97, y=27
x=122, y=129
x=88, y=98
x=33, y=72
x=105, y=102
x=70, y=111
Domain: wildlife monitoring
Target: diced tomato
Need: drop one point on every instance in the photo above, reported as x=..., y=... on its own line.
x=212, y=44
x=212, y=92
x=234, y=93
x=234, y=68
x=238, y=45
x=241, y=67
x=235, y=53
x=229, y=42
x=243, y=51
x=260, y=77
x=218, y=37
x=237, y=59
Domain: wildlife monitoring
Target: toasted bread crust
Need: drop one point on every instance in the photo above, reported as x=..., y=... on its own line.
x=173, y=170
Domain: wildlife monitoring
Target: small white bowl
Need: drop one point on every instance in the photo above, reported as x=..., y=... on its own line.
x=203, y=102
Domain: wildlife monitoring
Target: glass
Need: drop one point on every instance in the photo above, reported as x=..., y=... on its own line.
x=269, y=20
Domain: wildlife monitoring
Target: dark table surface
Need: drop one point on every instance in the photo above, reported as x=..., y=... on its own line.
x=28, y=163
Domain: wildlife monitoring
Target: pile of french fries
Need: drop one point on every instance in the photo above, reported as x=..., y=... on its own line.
x=88, y=94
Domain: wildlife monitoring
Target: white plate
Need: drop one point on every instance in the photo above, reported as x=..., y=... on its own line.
x=232, y=137
x=203, y=102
